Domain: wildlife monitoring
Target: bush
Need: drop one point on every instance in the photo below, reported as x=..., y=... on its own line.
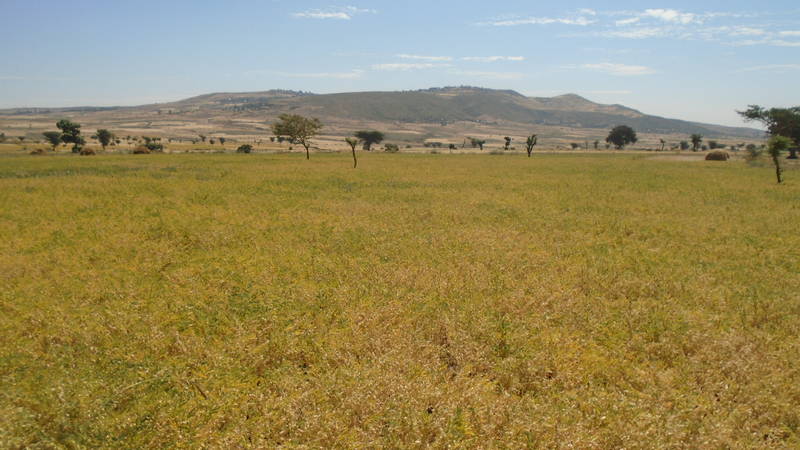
x=391, y=148
x=87, y=152
x=141, y=150
x=245, y=148
x=38, y=151
x=717, y=155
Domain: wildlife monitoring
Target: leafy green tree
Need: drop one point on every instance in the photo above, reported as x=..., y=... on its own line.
x=530, y=143
x=663, y=144
x=298, y=129
x=202, y=137
x=684, y=145
x=244, y=148
x=53, y=138
x=222, y=141
x=697, y=140
x=475, y=142
x=105, y=137
x=596, y=144
x=775, y=146
x=2, y=137
x=778, y=121
x=352, y=142
x=713, y=145
x=71, y=134
x=369, y=138
x=621, y=136
x=508, y=142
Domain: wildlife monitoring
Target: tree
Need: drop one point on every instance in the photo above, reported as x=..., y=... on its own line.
x=298, y=129
x=368, y=138
x=202, y=137
x=53, y=138
x=105, y=137
x=574, y=145
x=596, y=144
x=244, y=148
x=508, y=142
x=663, y=144
x=684, y=145
x=475, y=142
x=352, y=142
x=713, y=145
x=2, y=137
x=621, y=136
x=530, y=143
x=71, y=134
x=697, y=140
x=775, y=146
x=222, y=141
x=778, y=121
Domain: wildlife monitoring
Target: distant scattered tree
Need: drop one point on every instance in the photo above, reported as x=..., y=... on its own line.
x=298, y=129
x=272, y=138
x=508, y=142
x=697, y=140
x=663, y=144
x=596, y=144
x=353, y=142
x=475, y=142
x=368, y=138
x=211, y=141
x=244, y=148
x=776, y=145
x=53, y=138
x=391, y=148
x=452, y=146
x=21, y=139
x=779, y=122
x=105, y=137
x=574, y=145
x=202, y=137
x=713, y=145
x=2, y=137
x=530, y=143
x=71, y=134
x=222, y=141
x=621, y=136
x=684, y=145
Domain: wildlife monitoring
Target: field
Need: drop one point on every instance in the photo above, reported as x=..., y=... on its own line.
x=562, y=301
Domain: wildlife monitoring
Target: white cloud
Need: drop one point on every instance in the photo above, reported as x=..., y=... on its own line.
x=580, y=21
x=672, y=15
x=767, y=41
x=631, y=21
x=491, y=75
x=790, y=33
x=623, y=70
x=747, y=31
x=341, y=13
x=772, y=68
x=425, y=58
x=636, y=33
x=493, y=58
x=407, y=66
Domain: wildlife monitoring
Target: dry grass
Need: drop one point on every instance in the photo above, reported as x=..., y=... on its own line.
x=420, y=300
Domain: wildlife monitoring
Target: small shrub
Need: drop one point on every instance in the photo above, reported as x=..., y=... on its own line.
x=37, y=151
x=87, y=152
x=245, y=148
x=141, y=150
x=717, y=155
x=391, y=148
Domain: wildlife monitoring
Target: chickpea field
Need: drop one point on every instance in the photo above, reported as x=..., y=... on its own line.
x=420, y=300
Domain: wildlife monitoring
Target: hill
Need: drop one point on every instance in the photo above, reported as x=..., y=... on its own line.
x=450, y=112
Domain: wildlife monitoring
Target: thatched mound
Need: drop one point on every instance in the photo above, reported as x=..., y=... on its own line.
x=87, y=152
x=141, y=150
x=718, y=155
x=38, y=151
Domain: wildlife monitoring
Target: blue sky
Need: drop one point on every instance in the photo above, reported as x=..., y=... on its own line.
x=697, y=60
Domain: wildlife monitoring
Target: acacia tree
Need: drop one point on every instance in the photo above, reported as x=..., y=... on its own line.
x=778, y=121
x=71, y=134
x=221, y=141
x=775, y=146
x=105, y=137
x=352, y=142
x=697, y=140
x=621, y=136
x=475, y=142
x=663, y=144
x=368, y=138
x=298, y=129
x=53, y=138
x=530, y=143
x=508, y=142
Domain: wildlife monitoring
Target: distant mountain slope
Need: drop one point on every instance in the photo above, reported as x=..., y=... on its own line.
x=432, y=106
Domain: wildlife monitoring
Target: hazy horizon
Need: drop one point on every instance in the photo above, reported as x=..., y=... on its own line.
x=697, y=61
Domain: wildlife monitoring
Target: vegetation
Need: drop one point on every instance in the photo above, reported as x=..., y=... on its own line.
x=428, y=302
x=717, y=155
x=779, y=122
x=71, y=134
x=353, y=142
x=391, y=148
x=508, y=142
x=775, y=146
x=479, y=143
x=298, y=129
x=369, y=138
x=105, y=137
x=697, y=140
x=244, y=148
x=53, y=138
x=530, y=143
x=621, y=136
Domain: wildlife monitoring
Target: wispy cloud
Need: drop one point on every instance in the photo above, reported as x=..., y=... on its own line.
x=672, y=15
x=336, y=13
x=790, y=33
x=489, y=75
x=408, y=66
x=772, y=68
x=579, y=20
x=492, y=58
x=425, y=58
x=623, y=70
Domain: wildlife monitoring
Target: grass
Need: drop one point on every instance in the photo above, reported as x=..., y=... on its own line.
x=219, y=300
